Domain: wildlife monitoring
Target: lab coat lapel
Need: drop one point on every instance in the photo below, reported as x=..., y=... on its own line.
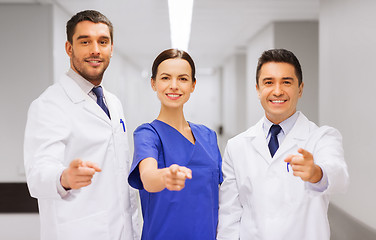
x=77, y=96
x=95, y=109
x=111, y=105
x=258, y=141
x=296, y=137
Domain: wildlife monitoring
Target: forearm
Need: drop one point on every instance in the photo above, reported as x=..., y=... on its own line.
x=42, y=179
x=44, y=149
x=152, y=179
x=330, y=157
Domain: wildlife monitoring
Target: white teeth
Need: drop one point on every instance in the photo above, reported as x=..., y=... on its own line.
x=173, y=95
x=278, y=101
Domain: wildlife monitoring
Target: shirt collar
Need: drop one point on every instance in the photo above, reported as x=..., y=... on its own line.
x=84, y=84
x=286, y=125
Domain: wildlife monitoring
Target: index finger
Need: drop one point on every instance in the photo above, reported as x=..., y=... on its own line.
x=85, y=171
x=92, y=165
x=186, y=171
x=289, y=158
x=304, y=152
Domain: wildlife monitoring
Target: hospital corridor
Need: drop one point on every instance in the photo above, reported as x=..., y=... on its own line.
x=334, y=41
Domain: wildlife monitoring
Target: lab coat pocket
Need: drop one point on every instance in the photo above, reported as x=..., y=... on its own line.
x=93, y=227
x=122, y=147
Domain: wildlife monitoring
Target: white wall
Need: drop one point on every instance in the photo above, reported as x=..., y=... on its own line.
x=26, y=70
x=60, y=58
x=347, y=84
x=229, y=97
x=233, y=96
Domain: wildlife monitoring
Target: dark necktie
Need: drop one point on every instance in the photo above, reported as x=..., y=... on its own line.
x=273, y=143
x=99, y=92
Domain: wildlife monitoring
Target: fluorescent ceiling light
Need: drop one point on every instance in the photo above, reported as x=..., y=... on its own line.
x=180, y=12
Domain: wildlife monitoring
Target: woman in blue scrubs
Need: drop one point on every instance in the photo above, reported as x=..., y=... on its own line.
x=176, y=164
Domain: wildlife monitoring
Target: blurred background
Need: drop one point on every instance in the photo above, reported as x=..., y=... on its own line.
x=333, y=39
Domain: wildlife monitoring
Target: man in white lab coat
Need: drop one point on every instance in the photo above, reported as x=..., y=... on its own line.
x=76, y=147
x=278, y=174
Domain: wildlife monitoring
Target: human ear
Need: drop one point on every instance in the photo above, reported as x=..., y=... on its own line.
x=68, y=48
x=193, y=86
x=152, y=83
x=301, y=89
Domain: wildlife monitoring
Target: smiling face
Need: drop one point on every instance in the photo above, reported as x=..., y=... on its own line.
x=173, y=83
x=278, y=90
x=90, y=50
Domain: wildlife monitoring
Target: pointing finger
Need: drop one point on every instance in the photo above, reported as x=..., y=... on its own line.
x=189, y=174
x=92, y=165
x=86, y=171
x=305, y=153
x=289, y=158
x=187, y=171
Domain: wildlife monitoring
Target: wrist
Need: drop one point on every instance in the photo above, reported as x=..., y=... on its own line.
x=64, y=183
x=317, y=176
x=163, y=174
x=153, y=180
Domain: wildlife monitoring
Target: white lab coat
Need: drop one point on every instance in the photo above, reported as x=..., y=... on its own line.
x=63, y=124
x=260, y=200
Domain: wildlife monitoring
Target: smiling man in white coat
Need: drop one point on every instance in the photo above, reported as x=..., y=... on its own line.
x=278, y=174
x=76, y=147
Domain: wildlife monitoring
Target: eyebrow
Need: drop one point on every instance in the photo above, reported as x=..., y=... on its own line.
x=87, y=36
x=184, y=74
x=82, y=36
x=284, y=78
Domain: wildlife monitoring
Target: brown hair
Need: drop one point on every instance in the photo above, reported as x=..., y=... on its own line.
x=280, y=56
x=172, y=54
x=87, y=15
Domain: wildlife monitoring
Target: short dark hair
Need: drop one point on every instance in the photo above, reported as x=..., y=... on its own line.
x=87, y=15
x=172, y=54
x=279, y=56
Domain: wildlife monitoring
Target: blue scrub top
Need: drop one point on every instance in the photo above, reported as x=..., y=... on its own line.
x=191, y=213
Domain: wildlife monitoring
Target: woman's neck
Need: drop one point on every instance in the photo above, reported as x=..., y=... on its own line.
x=173, y=117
